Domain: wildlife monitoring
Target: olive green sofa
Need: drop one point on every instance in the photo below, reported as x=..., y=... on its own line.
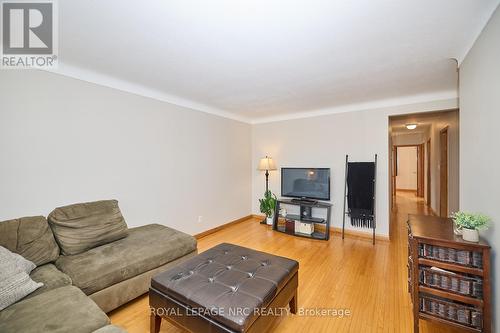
x=78, y=289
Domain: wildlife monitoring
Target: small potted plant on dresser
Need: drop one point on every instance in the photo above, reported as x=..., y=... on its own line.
x=268, y=206
x=468, y=224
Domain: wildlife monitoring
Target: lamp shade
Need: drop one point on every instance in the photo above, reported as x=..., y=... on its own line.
x=267, y=163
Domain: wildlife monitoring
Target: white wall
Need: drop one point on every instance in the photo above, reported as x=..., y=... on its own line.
x=480, y=136
x=324, y=141
x=408, y=139
x=450, y=120
x=64, y=141
x=406, y=178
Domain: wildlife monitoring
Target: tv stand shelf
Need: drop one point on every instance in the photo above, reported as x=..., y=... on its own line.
x=321, y=226
x=305, y=219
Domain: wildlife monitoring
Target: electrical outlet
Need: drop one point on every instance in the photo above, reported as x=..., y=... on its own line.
x=200, y=219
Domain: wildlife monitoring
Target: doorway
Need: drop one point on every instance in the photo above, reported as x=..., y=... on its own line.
x=428, y=172
x=435, y=136
x=407, y=169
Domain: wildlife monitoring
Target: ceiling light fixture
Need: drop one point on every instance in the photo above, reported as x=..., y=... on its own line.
x=411, y=126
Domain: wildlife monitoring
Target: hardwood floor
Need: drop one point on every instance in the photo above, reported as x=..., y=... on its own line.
x=368, y=280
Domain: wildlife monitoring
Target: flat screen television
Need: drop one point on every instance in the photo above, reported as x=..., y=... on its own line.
x=305, y=183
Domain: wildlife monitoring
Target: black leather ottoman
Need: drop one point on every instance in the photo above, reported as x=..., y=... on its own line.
x=228, y=288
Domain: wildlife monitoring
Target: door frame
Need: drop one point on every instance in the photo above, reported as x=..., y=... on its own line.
x=394, y=169
x=420, y=164
x=428, y=156
x=420, y=170
x=443, y=172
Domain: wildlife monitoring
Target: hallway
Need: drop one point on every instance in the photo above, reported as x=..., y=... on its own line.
x=405, y=203
x=425, y=158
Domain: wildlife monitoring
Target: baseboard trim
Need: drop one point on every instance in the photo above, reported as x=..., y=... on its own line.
x=223, y=226
x=433, y=213
x=359, y=234
x=333, y=230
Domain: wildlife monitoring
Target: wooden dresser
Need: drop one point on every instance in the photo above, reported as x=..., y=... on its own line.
x=448, y=278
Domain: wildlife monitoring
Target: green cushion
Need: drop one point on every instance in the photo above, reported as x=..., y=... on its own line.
x=30, y=237
x=60, y=310
x=83, y=226
x=51, y=278
x=144, y=249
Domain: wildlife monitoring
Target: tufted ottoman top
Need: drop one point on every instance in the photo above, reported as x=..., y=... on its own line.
x=226, y=278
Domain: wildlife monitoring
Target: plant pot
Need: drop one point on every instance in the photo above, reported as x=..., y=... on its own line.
x=470, y=235
x=269, y=220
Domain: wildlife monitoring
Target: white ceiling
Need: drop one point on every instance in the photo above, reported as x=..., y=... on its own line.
x=251, y=60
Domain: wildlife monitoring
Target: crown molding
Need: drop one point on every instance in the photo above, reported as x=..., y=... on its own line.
x=443, y=96
x=140, y=90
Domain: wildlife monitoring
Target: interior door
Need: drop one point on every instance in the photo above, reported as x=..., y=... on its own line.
x=420, y=170
x=428, y=158
x=443, y=173
x=394, y=168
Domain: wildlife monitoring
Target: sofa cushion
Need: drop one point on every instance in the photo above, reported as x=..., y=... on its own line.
x=15, y=282
x=17, y=261
x=83, y=226
x=30, y=237
x=51, y=278
x=60, y=310
x=145, y=248
x=123, y=292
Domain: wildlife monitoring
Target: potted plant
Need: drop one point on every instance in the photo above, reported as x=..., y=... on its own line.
x=468, y=224
x=268, y=206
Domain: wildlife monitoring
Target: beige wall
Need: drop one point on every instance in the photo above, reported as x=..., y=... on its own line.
x=324, y=141
x=64, y=141
x=480, y=137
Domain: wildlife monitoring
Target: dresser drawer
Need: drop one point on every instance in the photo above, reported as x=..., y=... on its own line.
x=451, y=255
x=457, y=283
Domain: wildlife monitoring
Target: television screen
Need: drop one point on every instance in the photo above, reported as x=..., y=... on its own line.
x=311, y=183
